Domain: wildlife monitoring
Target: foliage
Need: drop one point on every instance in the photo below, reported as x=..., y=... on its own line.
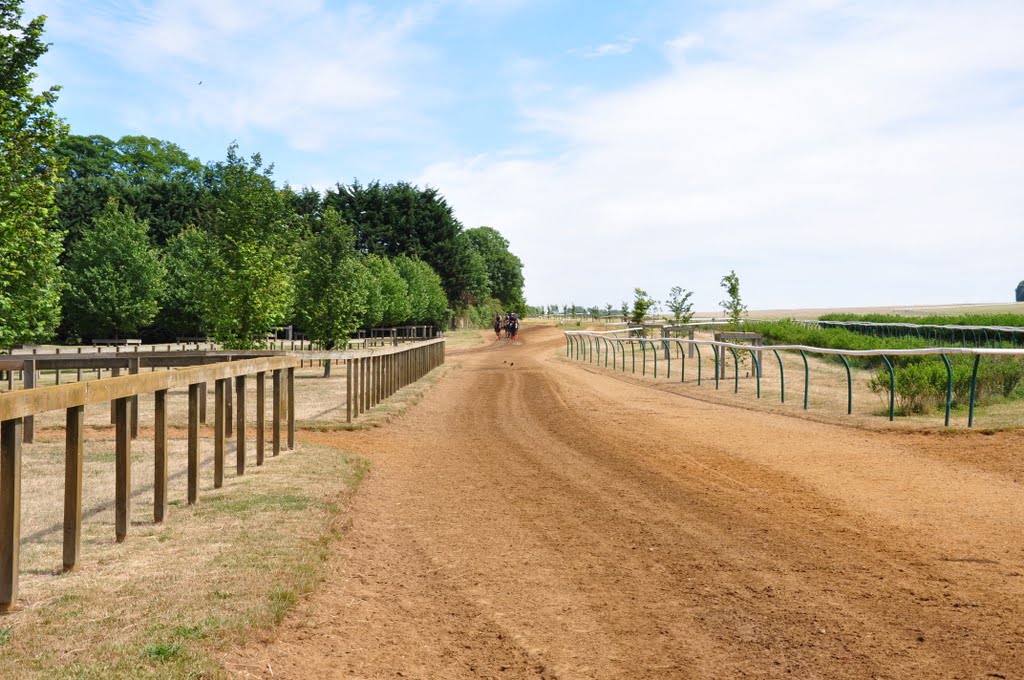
x=189, y=259
x=252, y=234
x=426, y=296
x=332, y=286
x=157, y=178
x=921, y=384
x=1020, y=292
x=625, y=310
x=642, y=302
x=388, y=299
x=482, y=315
x=504, y=270
x=402, y=219
x=934, y=319
x=733, y=304
x=115, y=277
x=680, y=306
x=30, y=277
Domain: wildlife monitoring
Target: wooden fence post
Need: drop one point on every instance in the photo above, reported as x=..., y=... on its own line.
x=348, y=390
x=11, y=436
x=193, y=442
x=28, y=377
x=218, y=433
x=133, y=369
x=159, y=455
x=123, y=467
x=202, y=403
x=240, y=428
x=275, y=424
x=73, y=450
x=261, y=415
x=291, y=409
x=228, y=410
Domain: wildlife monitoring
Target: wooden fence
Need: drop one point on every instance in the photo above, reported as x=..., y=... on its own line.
x=371, y=377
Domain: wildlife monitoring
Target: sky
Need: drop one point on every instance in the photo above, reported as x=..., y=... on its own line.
x=830, y=152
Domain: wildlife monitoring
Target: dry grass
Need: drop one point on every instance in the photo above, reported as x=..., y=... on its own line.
x=165, y=603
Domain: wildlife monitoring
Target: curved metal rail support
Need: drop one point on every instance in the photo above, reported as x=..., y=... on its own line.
x=892, y=388
x=849, y=386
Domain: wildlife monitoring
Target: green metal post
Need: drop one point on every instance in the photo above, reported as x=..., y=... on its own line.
x=757, y=372
x=892, y=388
x=849, y=386
x=697, y=347
x=974, y=391
x=782, y=377
x=949, y=386
x=736, y=364
x=632, y=353
x=807, y=378
x=643, y=350
x=714, y=348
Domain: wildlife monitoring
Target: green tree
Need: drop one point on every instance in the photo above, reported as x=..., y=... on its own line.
x=680, y=306
x=642, y=302
x=158, y=179
x=1020, y=292
x=427, y=300
x=189, y=258
x=332, y=285
x=30, y=276
x=115, y=277
x=733, y=304
x=402, y=219
x=388, y=302
x=504, y=270
x=254, y=236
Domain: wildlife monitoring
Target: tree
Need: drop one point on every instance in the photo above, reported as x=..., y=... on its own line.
x=642, y=302
x=625, y=311
x=733, y=305
x=189, y=258
x=402, y=219
x=426, y=296
x=1020, y=292
x=388, y=301
x=680, y=306
x=253, y=235
x=115, y=277
x=332, y=285
x=30, y=276
x=504, y=270
x=157, y=178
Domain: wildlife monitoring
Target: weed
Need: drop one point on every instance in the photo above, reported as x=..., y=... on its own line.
x=163, y=652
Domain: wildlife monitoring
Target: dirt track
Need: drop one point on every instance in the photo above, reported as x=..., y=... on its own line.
x=532, y=518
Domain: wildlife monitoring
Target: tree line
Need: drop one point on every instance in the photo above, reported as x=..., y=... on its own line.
x=107, y=238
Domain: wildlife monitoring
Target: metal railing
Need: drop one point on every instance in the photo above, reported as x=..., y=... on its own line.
x=587, y=346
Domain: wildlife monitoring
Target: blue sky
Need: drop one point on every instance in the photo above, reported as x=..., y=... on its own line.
x=832, y=153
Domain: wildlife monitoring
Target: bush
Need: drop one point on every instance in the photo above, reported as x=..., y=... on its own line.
x=921, y=385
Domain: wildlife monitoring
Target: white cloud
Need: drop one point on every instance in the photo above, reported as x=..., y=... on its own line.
x=830, y=152
x=611, y=49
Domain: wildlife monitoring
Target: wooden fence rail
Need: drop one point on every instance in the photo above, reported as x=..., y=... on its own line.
x=371, y=377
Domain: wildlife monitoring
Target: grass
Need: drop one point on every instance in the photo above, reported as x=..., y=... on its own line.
x=170, y=600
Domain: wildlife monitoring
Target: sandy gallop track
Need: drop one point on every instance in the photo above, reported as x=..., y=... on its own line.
x=535, y=519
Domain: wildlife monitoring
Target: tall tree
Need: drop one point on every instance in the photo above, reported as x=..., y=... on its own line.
x=679, y=304
x=332, y=285
x=426, y=296
x=504, y=270
x=388, y=302
x=402, y=219
x=732, y=304
x=30, y=276
x=1020, y=292
x=253, y=233
x=115, y=277
x=642, y=302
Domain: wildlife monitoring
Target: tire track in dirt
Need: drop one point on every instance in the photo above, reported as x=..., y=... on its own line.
x=539, y=520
